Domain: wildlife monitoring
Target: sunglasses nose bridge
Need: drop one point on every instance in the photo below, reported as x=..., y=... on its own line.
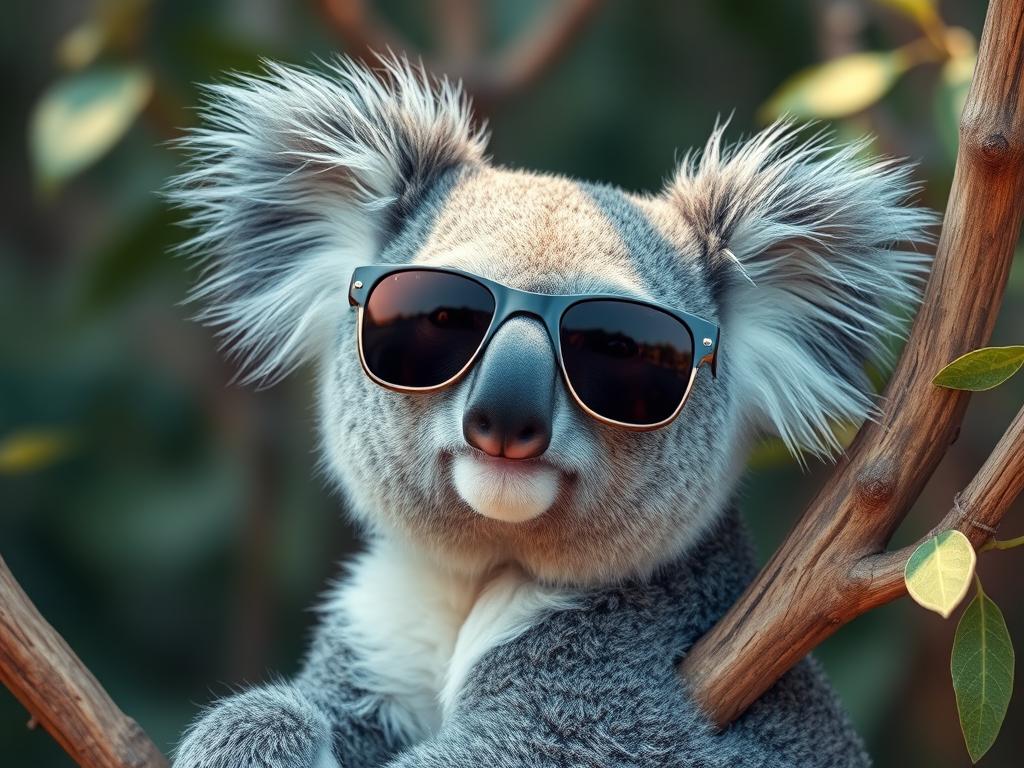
x=545, y=308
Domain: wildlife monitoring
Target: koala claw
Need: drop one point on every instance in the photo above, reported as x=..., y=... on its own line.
x=269, y=727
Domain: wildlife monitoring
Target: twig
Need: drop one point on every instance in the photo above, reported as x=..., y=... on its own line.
x=60, y=693
x=537, y=49
x=1003, y=544
x=489, y=80
x=363, y=32
x=461, y=31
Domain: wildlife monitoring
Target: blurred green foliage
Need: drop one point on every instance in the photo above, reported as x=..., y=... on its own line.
x=171, y=524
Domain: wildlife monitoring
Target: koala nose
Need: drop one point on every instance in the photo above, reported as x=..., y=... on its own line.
x=510, y=406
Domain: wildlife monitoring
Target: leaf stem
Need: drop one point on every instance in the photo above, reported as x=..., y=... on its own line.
x=1003, y=543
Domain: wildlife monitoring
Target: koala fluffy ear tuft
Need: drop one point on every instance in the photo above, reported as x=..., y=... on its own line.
x=811, y=250
x=294, y=178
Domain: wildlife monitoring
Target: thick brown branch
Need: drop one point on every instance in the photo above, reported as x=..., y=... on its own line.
x=60, y=693
x=977, y=512
x=806, y=591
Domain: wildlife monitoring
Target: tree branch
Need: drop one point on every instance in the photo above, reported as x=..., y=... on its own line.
x=363, y=32
x=537, y=49
x=815, y=582
x=60, y=693
x=490, y=80
x=461, y=27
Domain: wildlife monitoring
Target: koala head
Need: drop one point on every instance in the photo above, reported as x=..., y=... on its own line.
x=802, y=252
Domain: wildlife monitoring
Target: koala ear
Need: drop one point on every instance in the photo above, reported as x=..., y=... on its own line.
x=811, y=253
x=294, y=178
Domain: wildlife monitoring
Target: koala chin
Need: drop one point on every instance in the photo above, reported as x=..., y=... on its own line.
x=504, y=490
x=531, y=572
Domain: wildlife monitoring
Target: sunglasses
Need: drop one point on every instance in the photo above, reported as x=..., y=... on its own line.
x=626, y=362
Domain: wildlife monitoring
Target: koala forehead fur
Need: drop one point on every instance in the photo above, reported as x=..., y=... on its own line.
x=802, y=252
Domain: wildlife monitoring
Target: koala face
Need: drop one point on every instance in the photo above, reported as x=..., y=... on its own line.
x=799, y=251
x=599, y=501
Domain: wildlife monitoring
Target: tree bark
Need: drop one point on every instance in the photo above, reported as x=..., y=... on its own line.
x=829, y=569
x=60, y=693
x=976, y=512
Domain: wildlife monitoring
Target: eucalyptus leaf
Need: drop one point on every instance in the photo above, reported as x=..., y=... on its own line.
x=981, y=369
x=32, y=450
x=982, y=669
x=82, y=116
x=921, y=11
x=837, y=88
x=81, y=46
x=938, y=573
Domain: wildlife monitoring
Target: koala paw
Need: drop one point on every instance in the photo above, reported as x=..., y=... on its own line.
x=268, y=727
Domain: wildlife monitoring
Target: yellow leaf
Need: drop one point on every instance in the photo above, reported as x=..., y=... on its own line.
x=921, y=11
x=939, y=572
x=31, y=450
x=81, y=46
x=772, y=452
x=953, y=87
x=82, y=116
x=962, y=47
x=837, y=88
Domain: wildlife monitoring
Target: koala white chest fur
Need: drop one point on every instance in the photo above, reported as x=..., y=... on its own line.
x=536, y=397
x=420, y=628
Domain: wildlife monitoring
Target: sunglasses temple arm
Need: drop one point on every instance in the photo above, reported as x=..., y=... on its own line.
x=714, y=354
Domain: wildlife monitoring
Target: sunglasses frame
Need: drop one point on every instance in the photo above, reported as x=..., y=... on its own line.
x=547, y=307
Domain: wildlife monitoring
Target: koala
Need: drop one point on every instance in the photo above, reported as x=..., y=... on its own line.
x=534, y=568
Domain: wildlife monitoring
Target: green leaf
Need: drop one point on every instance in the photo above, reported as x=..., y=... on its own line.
x=837, y=88
x=82, y=116
x=135, y=256
x=939, y=572
x=982, y=669
x=772, y=452
x=981, y=369
x=32, y=450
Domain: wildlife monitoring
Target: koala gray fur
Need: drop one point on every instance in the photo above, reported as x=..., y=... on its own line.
x=463, y=639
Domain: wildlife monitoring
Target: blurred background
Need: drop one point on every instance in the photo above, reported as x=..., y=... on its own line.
x=170, y=524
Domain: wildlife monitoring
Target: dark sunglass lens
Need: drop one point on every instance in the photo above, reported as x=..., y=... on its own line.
x=627, y=362
x=420, y=327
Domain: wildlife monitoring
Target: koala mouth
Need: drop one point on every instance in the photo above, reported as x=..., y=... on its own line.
x=503, y=489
